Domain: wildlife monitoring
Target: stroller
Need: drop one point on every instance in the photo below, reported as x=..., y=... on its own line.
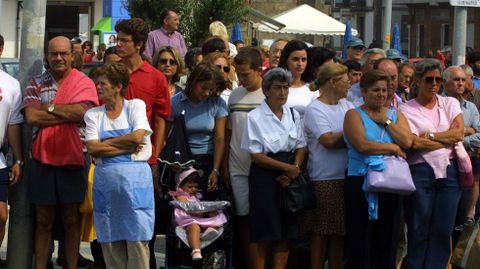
x=217, y=252
x=214, y=240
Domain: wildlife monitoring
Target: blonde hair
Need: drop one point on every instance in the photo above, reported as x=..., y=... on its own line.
x=328, y=72
x=217, y=28
x=176, y=55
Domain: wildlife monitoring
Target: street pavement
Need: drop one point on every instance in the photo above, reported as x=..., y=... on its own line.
x=85, y=250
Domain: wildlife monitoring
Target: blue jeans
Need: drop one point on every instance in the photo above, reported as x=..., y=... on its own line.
x=430, y=215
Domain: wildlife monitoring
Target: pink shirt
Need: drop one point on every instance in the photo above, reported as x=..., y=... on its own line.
x=437, y=119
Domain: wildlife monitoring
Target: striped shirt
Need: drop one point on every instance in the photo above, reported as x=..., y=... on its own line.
x=240, y=103
x=41, y=90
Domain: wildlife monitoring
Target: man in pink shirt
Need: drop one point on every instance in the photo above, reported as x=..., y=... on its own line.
x=167, y=35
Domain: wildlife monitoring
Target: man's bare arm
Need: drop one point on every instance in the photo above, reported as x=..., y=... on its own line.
x=61, y=114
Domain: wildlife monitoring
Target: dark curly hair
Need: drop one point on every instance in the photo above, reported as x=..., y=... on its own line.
x=213, y=44
x=135, y=27
x=316, y=57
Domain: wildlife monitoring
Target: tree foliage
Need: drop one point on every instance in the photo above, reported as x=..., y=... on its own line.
x=196, y=15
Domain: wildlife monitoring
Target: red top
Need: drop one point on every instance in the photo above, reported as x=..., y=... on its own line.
x=88, y=57
x=151, y=86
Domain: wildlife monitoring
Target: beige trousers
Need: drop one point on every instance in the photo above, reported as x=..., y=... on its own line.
x=126, y=255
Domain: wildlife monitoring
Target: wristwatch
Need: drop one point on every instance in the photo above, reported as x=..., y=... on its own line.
x=19, y=162
x=387, y=122
x=51, y=108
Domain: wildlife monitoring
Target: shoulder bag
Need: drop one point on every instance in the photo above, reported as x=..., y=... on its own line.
x=394, y=178
x=299, y=195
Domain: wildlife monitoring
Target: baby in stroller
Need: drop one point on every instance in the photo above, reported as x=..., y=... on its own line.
x=200, y=225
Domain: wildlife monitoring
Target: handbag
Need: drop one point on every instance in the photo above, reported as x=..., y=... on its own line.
x=467, y=251
x=299, y=195
x=465, y=173
x=464, y=164
x=394, y=178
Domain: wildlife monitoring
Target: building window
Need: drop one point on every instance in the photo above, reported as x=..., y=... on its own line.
x=420, y=40
x=445, y=36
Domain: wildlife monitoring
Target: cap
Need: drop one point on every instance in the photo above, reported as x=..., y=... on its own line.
x=76, y=40
x=185, y=173
x=355, y=42
x=394, y=54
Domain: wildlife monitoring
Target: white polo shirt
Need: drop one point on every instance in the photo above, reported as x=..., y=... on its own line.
x=10, y=107
x=265, y=133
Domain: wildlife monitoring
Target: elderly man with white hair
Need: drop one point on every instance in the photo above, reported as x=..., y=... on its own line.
x=471, y=93
x=369, y=58
x=455, y=85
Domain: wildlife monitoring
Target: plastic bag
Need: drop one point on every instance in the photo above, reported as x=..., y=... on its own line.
x=200, y=207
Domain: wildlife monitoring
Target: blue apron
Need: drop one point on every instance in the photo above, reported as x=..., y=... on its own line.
x=123, y=203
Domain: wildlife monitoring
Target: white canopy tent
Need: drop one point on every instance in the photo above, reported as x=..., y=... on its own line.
x=305, y=20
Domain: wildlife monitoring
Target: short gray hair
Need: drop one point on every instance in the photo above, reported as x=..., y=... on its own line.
x=278, y=74
x=427, y=65
x=276, y=41
x=447, y=73
x=468, y=70
x=370, y=52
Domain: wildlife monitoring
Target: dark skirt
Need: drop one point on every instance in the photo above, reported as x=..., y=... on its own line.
x=269, y=221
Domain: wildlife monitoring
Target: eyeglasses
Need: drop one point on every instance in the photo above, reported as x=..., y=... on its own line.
x=168, y=61
x=459, y=79
x=430, y=80
x=123, y=41
x=276, y=51
x=225, y=69
x=358, y=48
x=347, y=81
x=55, y=54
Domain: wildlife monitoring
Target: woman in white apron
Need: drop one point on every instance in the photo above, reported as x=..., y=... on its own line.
x=117, y=136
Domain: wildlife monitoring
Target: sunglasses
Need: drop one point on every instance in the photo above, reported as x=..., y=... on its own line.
x=430, y=80
x=225, y=69
x=168, y=61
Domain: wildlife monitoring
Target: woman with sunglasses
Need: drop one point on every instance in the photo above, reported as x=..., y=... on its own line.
x=168, y=60
x=205, y=118
x=88, y=53
x=221, y=61
x=437, y=124
x=294, y=59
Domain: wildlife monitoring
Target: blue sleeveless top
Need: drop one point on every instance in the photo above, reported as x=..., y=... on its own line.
x=358, y=163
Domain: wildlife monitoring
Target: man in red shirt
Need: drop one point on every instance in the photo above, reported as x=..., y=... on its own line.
x=147, y=84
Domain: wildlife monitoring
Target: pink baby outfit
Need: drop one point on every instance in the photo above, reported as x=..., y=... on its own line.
x=183, y=219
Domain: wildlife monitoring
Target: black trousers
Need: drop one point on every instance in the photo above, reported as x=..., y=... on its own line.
x=370, y=244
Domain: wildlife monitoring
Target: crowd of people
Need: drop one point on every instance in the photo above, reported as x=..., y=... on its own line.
x=251, y=122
